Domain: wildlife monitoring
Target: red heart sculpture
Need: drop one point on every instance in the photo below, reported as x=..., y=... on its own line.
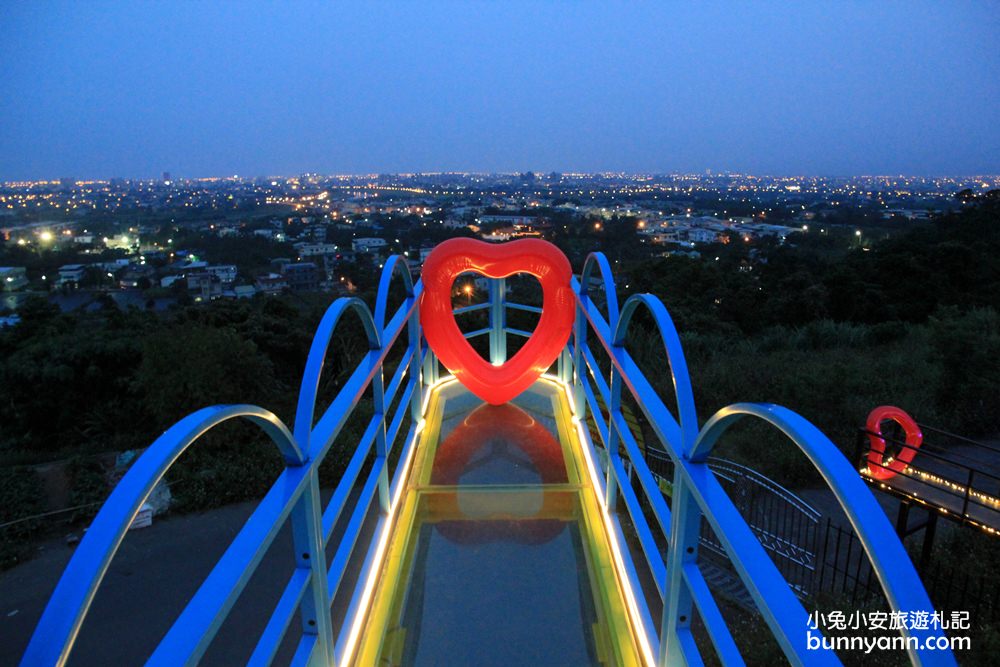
x=541, y=259
x=914, y=437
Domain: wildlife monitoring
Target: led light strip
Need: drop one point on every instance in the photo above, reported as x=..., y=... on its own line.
x=370, y=583
x=943, y=484
x=616, y=553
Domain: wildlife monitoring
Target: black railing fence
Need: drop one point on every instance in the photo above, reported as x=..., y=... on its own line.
x=823, y=560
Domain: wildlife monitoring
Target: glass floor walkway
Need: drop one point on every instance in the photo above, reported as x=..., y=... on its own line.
x=499, y=555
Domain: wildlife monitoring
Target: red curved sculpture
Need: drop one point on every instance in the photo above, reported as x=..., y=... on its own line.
x=514, y=425
x=876, y=450
x=541, y=259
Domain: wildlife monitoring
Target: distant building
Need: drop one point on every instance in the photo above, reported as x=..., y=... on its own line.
x=226, y=273
x=683, y=234
x=763, y=230
x=71, y=274
x=271, y=283
x=12, y=278
x=910, y=214
x=483, y=285
x=204, y=286
x=302, y=276
x=316, y=249
x=121, y=242
x=699, y=235
x=112, y=266
x=136, y=276
x=272, y=234
x=511, y=220
x=315, y=232
x=368, y=244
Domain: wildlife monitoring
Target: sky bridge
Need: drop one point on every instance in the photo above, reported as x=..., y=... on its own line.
x=467, y=532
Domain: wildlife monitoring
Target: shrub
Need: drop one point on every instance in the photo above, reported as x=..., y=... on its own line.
x=88, y=485
x=21, y=496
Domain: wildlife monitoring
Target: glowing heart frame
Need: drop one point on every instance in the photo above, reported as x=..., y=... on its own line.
x=541, y=259
x=876, y=451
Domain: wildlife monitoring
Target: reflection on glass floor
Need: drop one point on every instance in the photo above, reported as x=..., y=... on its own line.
x=499, y=555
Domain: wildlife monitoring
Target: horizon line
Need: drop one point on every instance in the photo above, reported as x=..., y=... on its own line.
x=576, y=174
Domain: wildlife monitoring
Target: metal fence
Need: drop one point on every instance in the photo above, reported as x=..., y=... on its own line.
x=820, y=558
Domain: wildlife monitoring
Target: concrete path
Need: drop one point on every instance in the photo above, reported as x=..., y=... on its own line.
x=155, y=573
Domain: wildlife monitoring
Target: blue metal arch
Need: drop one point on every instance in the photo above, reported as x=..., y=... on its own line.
x=395, y=264
x=57, y=629
x=599, y=260
x=687, y=415
x=306, y=407
x=889, y=559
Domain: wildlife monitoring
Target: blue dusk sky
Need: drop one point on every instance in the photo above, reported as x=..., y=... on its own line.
x=96, y=90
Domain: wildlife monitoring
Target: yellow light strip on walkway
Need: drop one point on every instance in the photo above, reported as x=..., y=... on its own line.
x=625, y=582
x=383, y=542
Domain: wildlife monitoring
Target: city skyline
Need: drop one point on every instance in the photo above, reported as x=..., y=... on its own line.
x=834, y=90
x=181, y=178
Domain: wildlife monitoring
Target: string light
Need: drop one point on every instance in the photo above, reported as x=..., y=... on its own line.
x=983, y=499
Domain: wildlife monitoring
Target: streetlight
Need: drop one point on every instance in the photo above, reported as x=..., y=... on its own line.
x=468, y=292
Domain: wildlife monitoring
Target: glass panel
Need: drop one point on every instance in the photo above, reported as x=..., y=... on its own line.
x=498, y=593
x=515, y=443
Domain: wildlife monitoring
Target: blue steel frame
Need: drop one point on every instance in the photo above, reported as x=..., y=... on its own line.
x=697, y=493
x=295, y=495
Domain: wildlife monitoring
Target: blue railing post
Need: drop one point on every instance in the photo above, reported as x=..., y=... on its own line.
x=498, y=323
x=579, y=340
x=307, y=538
x=682, y=552
x=417, y=367
x=430, y=365
x=565, y=367
x=381, y=452
x=614, y=456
